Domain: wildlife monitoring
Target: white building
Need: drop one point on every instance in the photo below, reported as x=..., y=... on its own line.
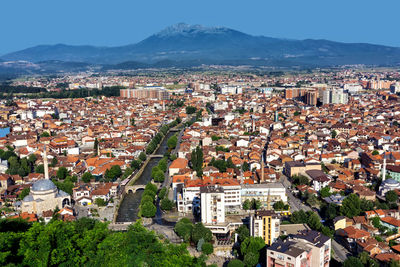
x=212, y=205
x=272, y=192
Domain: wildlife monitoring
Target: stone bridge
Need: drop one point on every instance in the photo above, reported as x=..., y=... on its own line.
x=134, y=188
x=156, y=156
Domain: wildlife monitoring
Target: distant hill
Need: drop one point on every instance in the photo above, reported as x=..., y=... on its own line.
x=190, y=45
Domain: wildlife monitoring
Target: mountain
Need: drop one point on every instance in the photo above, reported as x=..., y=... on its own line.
x=189, y=45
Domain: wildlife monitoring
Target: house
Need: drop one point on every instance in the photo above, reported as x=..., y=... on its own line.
x=177, y=165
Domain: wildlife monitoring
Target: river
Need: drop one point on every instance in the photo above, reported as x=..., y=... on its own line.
x=129, y=207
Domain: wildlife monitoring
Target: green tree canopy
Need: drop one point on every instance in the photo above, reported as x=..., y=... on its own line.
x=351, y=206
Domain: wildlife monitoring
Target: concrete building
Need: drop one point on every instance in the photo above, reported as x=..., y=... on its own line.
x=265, y=224
x=308, y=248
x=212, y=205
x=148, y=92
x=269, y=192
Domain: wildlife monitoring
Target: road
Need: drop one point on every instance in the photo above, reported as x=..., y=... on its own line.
x=294, y=203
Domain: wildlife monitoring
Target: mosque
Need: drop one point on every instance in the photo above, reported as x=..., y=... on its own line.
x=44, y=195
x=387, y=184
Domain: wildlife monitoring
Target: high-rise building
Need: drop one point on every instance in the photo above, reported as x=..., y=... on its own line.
x=265, y=224
x=150, y=92
x=308, y=248
x=311, y=98
x=212, y=205
x=334, y=96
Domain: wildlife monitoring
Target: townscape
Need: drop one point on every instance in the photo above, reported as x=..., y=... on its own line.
x=234, y=168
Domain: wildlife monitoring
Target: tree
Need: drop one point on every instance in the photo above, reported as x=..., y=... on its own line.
x=162, y=193
x=54, y=162
x=245, y=166
x=45, y=134
x=151, y=187
x=183, y=228
x=330, y=211
x=113, y=173
x=243, y=232
x=251, y=259
x=24, y=193
x=333, y=134
x=142, y=156
x=62, y=173
x=135, y=164
x=352, y=262
x=146, y=198
x=351, y=206
x=394, y=263
x=166, y=204
x=375, y=152
x=325, y=192
x=299, y=217
x=314, y=221
x=190, y=110
x=86, y=177
x=100, y=202
x=32, y=159
x=207, y=248
x=246, y=204
x=162, y=164
x=235, y=263
x=172, y=142
x=391, y=196
x=279, y=205
x=200, y=231
x=312, y=200
x=159, y=176
x=148, y=210
x=39, y=168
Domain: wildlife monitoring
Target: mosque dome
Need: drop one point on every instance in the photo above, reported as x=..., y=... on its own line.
x=43, y=185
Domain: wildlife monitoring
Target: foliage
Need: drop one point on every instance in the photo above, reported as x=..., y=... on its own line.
x=243, y=232
x=148, y=210
x=39, y=168
x=62, y=173
x=172, y=142
x=197, y=160
x=352, y=262
x=391, y=196
x=246, y=204
x=250, y=250
x=183, y=228
x=351, y=206
x=333, y=134
x=207, y=248
x=135, y=164
x=330, y=211
x=166, y=204
x=299, y=180
x=245, y=166
x=113, y=173
x=280, y=206
x=200, y=231
x=162, y=193
x=67, y=185
x=376, y=222
x=24, y=193
x=151, y=187
x=375, y=153
x=190, y=110
x=86, y=242
x=100, y=202
x=142, y=156
x=86, y=177
x=235, y=263
x=221, y=148
x=159, y=176
x=325, y=192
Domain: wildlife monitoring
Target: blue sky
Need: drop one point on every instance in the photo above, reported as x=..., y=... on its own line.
x=26, y=23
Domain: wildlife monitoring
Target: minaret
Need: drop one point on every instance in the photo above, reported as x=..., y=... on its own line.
x=384, y=167
x=262, y=167
x=46, y=165
x=254, y=125
x=163, y=105
x=269, y=201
